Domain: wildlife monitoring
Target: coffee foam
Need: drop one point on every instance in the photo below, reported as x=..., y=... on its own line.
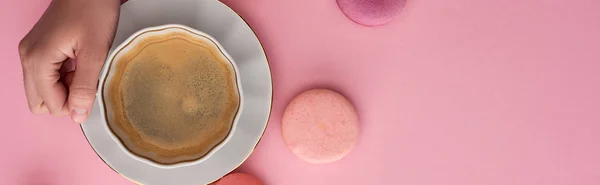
x=174, y=98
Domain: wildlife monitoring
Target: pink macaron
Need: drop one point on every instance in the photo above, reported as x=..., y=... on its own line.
x=239, y=179
x=320, y=126
x=371, y=12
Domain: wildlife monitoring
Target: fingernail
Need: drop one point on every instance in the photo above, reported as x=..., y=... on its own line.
x=78, y=115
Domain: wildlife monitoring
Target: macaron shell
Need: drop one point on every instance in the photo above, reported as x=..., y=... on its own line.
x=320, y=126
x=239, y=179
x=371, y=12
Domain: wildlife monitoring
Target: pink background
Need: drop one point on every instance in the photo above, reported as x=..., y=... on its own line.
x=451, y=92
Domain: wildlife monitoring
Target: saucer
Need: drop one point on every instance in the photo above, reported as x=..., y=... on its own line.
x=238, y=39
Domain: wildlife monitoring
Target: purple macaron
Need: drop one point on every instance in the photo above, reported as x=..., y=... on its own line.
x=371, y=12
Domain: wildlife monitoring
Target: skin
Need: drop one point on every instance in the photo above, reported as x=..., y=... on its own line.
x=70, y=32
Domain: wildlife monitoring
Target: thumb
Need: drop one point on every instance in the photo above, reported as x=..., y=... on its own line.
x=83, y=86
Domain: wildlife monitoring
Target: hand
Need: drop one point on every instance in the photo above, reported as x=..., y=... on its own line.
x=69, y=30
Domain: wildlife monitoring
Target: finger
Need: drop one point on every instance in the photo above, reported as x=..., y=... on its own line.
x=67, y=66
x=36, y=104
x=67, y=72
x=68, y=79
x=83, y=86
x=48, y=85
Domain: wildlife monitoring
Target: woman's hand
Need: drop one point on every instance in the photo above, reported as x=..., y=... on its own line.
x=69, y=30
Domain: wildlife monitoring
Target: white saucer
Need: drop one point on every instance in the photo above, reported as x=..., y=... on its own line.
x=232, y=32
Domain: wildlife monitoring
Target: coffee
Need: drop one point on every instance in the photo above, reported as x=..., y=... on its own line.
x=173, y=97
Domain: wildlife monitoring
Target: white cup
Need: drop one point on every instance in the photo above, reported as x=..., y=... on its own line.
x=132, y=42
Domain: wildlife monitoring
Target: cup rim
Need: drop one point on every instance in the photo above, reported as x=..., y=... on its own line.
x=104, y=77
